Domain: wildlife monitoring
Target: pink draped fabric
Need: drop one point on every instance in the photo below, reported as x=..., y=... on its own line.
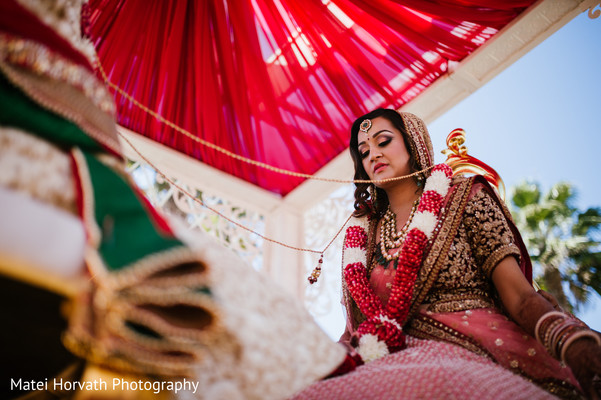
x=279, y=81
x=433, y=368
x=381, y=280
x=510, y=346
x=427, y=369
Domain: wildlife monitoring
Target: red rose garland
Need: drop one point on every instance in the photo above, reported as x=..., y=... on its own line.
x=358, y=284
x=381, y=333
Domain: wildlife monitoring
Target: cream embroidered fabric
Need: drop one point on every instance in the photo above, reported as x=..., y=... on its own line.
x=37, y=168
x=281, y=348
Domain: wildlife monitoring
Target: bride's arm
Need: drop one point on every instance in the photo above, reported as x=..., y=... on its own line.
x=526, y=307
x=519, y=298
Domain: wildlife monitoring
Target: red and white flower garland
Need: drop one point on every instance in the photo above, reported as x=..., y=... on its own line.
x=381, y=333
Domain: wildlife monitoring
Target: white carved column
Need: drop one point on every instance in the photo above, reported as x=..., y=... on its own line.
x=284, y=265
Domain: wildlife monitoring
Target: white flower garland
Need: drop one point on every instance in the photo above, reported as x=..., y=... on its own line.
x=355, y=254
x=370, y=348
x=424, y=221
x=438, y=182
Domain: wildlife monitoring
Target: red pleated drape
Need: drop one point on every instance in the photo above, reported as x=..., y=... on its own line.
x=279, y=81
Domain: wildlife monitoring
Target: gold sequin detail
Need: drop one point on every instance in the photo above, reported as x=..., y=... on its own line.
x=531, y=352
x=43, y=61
x=514, y=364
x=499, y=342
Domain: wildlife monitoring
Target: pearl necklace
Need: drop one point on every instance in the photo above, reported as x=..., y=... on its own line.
x=389, y=237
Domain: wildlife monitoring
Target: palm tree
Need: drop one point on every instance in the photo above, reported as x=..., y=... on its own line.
x=563, y=242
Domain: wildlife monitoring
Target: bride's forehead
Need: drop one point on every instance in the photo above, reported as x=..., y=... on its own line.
x=377, y=124
x=380, y=123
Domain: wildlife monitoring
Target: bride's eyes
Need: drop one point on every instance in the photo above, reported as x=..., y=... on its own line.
x=383, y=143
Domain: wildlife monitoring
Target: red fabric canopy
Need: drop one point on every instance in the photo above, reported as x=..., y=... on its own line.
x=279, y=81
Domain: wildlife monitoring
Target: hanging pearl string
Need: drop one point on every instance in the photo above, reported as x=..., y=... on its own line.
x=237, y=156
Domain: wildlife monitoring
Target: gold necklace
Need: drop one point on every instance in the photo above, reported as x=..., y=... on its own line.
x=389, y=237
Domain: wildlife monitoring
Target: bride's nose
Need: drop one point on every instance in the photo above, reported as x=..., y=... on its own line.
x=374, y=154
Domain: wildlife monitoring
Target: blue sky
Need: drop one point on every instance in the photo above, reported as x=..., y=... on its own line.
x=540, y=119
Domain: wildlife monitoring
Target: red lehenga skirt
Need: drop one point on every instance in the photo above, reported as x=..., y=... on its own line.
x=502, y=363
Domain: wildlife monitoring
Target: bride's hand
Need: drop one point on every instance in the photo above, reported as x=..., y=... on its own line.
x=584, y=358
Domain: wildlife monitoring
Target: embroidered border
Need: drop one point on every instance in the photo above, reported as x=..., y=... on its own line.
x=440, y=248
x=420, y=139
x=493, y=260
x=67, y=102
x=43, y=61
x=461, y=302
x=559, y=388
x=424, y=327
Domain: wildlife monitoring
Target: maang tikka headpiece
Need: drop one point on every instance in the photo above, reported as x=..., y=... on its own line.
x=365, y=125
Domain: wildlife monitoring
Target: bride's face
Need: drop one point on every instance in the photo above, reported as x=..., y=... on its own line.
x=383, y=151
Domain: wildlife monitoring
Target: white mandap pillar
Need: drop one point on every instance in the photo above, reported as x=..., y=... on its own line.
x=282, y=264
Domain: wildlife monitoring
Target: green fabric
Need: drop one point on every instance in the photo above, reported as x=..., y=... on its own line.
x=128, y=234
x=19, y=111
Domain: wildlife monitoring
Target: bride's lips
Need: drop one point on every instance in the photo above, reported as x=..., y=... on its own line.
x=379, y=166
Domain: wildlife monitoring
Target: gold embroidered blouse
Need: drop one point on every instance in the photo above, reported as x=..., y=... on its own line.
x=483, y=239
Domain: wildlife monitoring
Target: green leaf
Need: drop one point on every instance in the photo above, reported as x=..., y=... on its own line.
x=525, y=194
x=561, y=240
